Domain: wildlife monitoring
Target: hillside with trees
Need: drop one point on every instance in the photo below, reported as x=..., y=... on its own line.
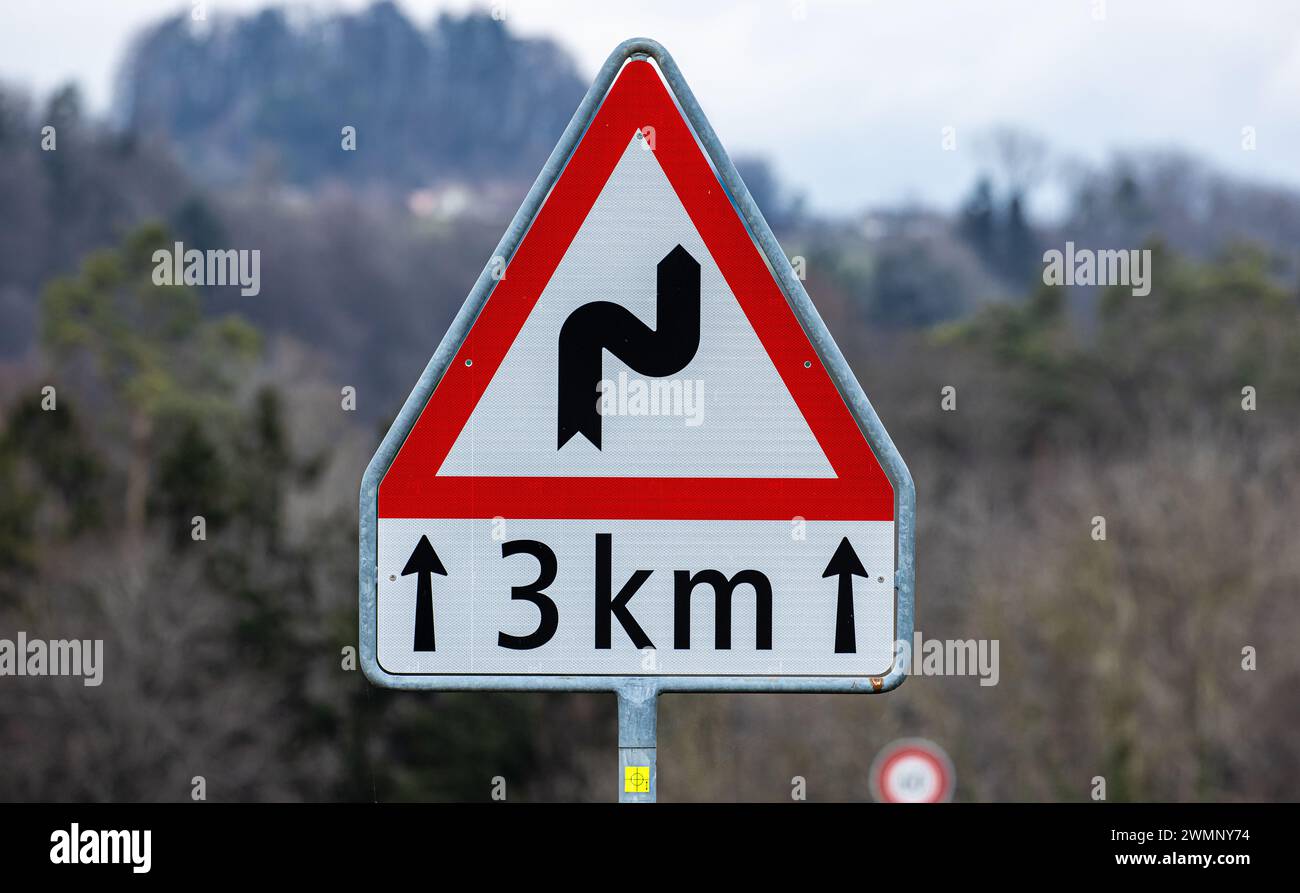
x=462, y=99
x=1171, y=415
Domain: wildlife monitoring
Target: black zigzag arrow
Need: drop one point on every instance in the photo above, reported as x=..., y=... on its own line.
x=603, y=325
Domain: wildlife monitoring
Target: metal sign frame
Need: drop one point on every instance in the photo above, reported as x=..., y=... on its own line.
x=637, y=695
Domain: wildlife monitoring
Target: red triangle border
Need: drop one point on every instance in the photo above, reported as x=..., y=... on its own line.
x=859, y=491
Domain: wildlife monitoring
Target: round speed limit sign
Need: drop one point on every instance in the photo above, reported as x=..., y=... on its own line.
x=912, y=770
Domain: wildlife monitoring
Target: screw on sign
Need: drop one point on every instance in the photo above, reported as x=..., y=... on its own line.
x=912, y=771
x=637, y=462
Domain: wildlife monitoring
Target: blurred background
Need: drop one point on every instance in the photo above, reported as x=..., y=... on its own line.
x=920, y=157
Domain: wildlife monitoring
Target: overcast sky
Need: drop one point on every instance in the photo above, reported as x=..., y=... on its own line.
x=849, y=99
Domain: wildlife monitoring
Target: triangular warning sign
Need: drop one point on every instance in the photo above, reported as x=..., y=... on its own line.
x=637, y=460
x=637, y=359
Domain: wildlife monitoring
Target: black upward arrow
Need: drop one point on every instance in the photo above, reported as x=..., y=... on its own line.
x=604, y=325
x=424, y=561
x=845, y=565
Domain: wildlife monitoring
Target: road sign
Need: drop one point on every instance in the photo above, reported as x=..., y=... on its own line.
x=637, y=462
x=912, y=770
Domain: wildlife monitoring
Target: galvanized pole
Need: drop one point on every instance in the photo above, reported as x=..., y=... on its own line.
x=638, y=777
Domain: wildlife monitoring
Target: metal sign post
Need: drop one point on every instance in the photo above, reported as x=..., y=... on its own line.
x=637, y=462
x=638, y=704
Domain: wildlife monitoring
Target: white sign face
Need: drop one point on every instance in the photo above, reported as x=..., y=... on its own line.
x=782, y=611
x=634, y=462
x=687, y=424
